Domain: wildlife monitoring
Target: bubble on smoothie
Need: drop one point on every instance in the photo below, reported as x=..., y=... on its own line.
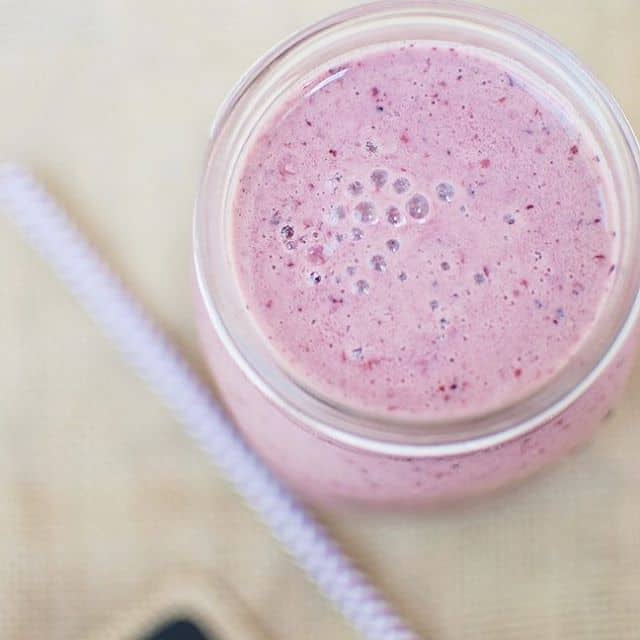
x=337, y=213
x=362, y=287
x=401, y=185
x=365, y=212
x=445, y=192
x=287, y=232
x=315, y=277
x=417, y=207
x=356, y=188
x=379, y=178
x=329, y=247
x=357, y=234
x=378, y=263
x=394, y=216
x=393, y=245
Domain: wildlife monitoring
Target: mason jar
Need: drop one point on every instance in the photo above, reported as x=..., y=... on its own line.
x=329, y=452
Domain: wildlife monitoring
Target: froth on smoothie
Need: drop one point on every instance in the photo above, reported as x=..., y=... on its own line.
x=418, y=232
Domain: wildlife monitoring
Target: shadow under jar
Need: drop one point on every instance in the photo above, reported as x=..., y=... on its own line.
x=416, y=253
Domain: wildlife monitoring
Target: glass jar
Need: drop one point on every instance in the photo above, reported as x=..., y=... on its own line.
x=330, y=452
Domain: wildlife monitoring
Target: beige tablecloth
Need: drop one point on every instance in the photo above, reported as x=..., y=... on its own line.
x=103, y=498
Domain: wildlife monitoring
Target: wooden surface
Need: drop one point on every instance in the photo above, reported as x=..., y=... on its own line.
x=102, y=496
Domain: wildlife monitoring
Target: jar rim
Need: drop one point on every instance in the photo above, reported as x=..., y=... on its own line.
x=353, y=429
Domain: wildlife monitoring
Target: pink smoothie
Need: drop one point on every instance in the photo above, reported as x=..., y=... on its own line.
x=421, y=232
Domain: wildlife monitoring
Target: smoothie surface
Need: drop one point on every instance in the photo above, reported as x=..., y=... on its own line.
x=419, y=232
